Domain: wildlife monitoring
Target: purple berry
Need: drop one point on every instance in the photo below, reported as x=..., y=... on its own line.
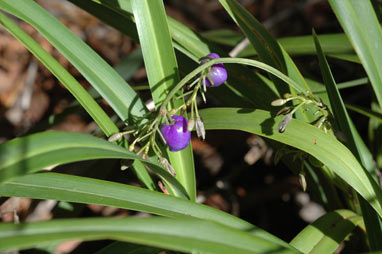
x=218, y=73
x=176, y=135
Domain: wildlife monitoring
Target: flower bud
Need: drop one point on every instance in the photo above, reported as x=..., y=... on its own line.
x=191, y=124
x=302, y=180
x=125, y=164
x=278, y=102
x=284, y=123
x=167, y=165
x=115, y=137
x=200, y=131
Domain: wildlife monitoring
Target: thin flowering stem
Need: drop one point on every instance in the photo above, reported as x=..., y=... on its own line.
x=183, y=95
x=149, y=130
x=143, y=148
x=161, y=135
x=243, y=61
x=194, y=82
x=196, y=110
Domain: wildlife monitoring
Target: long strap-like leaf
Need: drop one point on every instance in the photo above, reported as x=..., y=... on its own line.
x=121, y=97
x=361, y=25
x=93, y=191
x=35, y=152
x=356, y=145
x=186, y=234
x=162, y=72
x=305, y=137
x=327, y=232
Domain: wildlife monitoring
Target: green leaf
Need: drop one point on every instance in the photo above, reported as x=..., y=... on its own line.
x=90, y=105
x=375, y=135
x=163, y=75
x=366, y=112
x=37, y=151
x=301, y=136
x=360, y=24
x=343, y=85
x=121, y=97
x=93, y=191
x=355, y=144
x=304, y=45
x=294, y=46
x=327, y=232
x=244, y=87
x=342, y=118
x=266, y=46
x=346, y=57
x=157, y=49
x=186, y=234
x=335, y=45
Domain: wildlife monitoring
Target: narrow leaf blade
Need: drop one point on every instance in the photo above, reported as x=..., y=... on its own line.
x=186, y=234
x=163, y=75
x=38, y=151
x=121, y=97
x=91, y=106
x=361, y=25
x=92, y=191
x=304, y=137
x=327, y=232
x=355, y=144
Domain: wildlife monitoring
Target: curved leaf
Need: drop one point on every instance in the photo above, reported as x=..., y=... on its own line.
x=376, y=116
x=96, y=70
x=163, y=75
x=128, y=248
x=336, y=45
x=92, y=191
x=303, y=136
x=361, y=25
x=266, y=46
x=37, y=151
x=109, y=84
x=245, y=88
x=327, y=232
x=186, y=234
x=91, y=106
x=354, y=143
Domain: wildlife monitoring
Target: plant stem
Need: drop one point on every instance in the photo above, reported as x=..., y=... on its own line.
x=243, y=61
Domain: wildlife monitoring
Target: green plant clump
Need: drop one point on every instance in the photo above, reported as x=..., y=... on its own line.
x=259, y=90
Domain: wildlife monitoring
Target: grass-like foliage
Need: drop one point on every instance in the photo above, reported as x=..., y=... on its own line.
x=262, y=91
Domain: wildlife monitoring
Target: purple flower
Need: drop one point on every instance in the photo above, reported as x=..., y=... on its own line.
x=218, y=74
x=176, y=135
